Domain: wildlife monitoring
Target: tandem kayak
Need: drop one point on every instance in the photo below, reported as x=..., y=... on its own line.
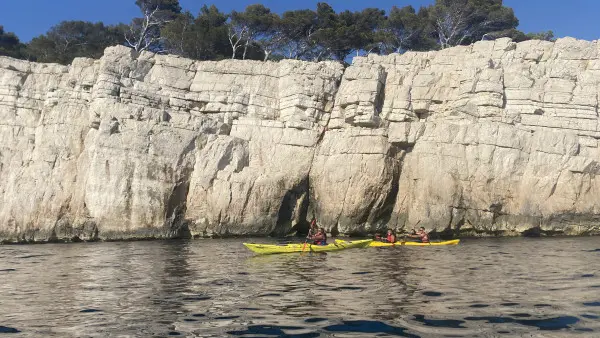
x=267, y=249
x=452, y=242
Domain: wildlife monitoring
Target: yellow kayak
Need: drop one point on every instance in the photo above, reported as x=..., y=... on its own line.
x=452, y=242
x=267, y=249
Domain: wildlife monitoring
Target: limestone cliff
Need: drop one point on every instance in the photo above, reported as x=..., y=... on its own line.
x=492, y=138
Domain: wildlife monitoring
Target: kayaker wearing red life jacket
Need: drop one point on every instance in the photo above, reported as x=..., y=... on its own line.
x=421, y=235
x=389, y=238
x=320, y=238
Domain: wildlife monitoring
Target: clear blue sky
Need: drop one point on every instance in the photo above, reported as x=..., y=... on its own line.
x=29, y=18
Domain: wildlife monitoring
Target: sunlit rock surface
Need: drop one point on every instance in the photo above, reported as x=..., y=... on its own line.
x=494, y=138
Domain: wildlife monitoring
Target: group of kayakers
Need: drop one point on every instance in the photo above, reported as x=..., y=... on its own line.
x=421, y=235
x=319, y=236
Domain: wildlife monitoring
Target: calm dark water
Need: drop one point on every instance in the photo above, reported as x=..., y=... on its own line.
x=214, y=288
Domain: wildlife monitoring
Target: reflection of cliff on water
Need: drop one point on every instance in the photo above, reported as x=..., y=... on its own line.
x=310, y=283
x=393, y=268
x=175, y=284
x=142, y=280
x=297, y=275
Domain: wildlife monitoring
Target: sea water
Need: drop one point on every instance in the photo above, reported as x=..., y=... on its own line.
x=212, y=288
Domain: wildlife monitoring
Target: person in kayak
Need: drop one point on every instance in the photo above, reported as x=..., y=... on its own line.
x=313, y=228
x=389, y=238
x=421, y=235
x=320, y=238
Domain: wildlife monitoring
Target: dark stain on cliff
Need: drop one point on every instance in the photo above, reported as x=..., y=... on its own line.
x=294, y=206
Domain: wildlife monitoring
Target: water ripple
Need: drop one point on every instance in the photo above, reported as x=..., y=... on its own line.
x=554, y=323
x=90, y=310
x=449, y=323
x=366, y=326
x=5, y=329
x=270, y=330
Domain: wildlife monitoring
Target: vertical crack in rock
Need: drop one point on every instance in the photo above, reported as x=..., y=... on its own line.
x=396, y=156
x=310, y=204
x=177, y=203
x=247, y=197
x=504, y=100
x=380, y=95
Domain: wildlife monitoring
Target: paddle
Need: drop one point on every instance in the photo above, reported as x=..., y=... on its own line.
x=306, y=240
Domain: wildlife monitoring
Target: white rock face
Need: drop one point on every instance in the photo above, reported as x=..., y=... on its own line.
x=492, y=138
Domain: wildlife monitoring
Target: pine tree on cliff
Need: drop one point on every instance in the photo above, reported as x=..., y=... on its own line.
x=70, y=39
x=461, y=22
x=144, y=33
x=200, y=38
x=257, y=33
x=253, y=27
x=10, y=44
